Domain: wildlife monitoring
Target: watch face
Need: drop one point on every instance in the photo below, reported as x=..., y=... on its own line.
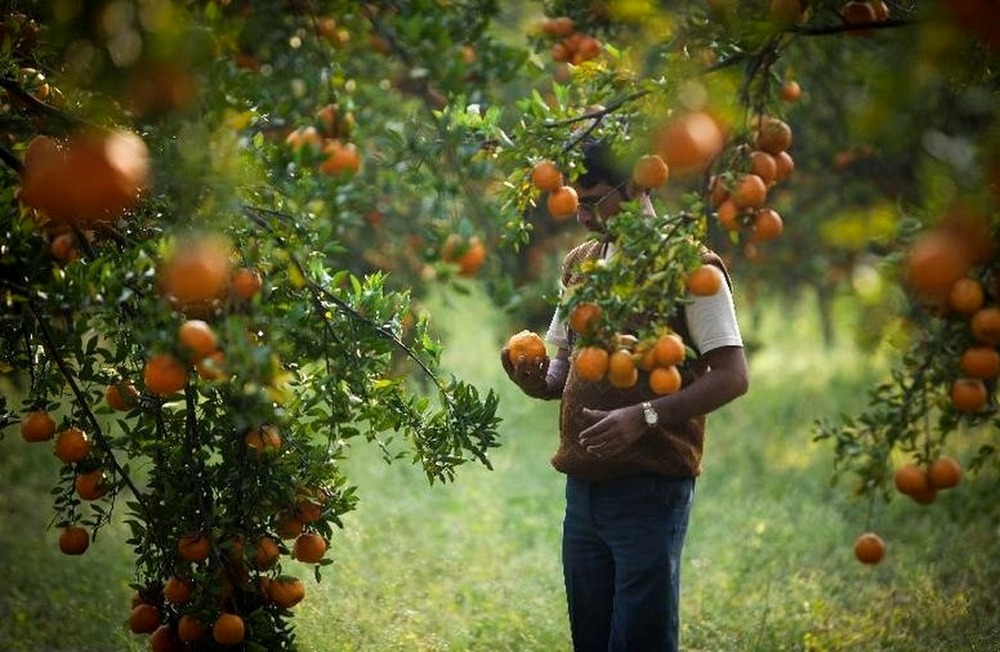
x=651, y=418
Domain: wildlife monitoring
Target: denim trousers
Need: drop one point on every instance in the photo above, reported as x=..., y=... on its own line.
x=622, y=542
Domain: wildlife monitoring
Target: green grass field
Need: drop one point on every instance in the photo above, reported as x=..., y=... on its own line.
x=474, y=565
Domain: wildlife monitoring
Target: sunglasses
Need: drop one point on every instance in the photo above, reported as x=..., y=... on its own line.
x=592, y=202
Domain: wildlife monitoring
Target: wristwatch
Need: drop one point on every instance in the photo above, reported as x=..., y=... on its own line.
x=649, y=414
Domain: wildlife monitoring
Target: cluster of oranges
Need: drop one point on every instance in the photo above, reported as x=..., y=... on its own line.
x=948, y=268
x=743, y=201
x=571, y=45
x=329, y=141
x=468, y=253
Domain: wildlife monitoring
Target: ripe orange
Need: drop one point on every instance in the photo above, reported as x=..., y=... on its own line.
x=72, y=445
x=621, y=369
x=341, y=158
x=558, y=26
x=194, y=546
x=728, y=215
x=925, y=496
x=591, y=363
x=968, y=394
x=584, y=317
x=309, y=548
x=944, y=473
x=37, y=426
x=197, y=339
x=767, y=225
x=790, y=91
x=228, y=629
x=212, y=366
x=74, y=540
x=267, y=552
x=869, y=548
x=288, y=525
x=750, y=192
x=762, y=164
x=190, y=629
x=246, y=282
x=704, y=281
x=286, y=591
x=197, y=272
x=309, y=505
x=262, y=442
x=934, y=263
x=650, y=171
x=562, y=203
x=881, y=10
x=774, y=135
x=665, y=380
x=121, y=396
x=858, y=12
x=469, y=254
x=63, y=248
x=164, y=374
x=985, y=326
x=966, y=296
x=91, y=485
x=526, y=344
x=164, y=639
x=144, y=619
x=981, y=362
x=784, y=165
x=177, y=591
x=689, y=142
x=910, y=479
x=546, y=176
x=669, y=350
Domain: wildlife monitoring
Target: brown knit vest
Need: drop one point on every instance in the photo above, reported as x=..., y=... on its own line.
x=670, y=449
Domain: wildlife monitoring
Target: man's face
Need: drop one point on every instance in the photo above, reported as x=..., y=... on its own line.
x=598, y=203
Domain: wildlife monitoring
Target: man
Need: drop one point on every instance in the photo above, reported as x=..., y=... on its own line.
x=630, y=457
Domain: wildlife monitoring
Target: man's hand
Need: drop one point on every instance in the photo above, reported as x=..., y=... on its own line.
x=529, y=375
x=611, y=433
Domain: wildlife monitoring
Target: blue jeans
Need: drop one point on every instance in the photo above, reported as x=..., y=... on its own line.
x=622, y=544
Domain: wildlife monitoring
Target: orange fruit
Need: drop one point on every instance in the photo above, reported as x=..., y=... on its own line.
x=74, y=540
x=309, y=505
x=966, y=296
x=262, y=442
x=212, y=366
x=881, y=10
x=72, y=445
x=774, y=135
x=228, y=629
x=704, y=281
x=558, y=26
x=288, y=525
x=981, y=362
x=857, y=12
x=968, y=394
x=728, y=215
x=190, y=629
x=665, y=380
x=194, y=546
x=621, y=368
x=341, y=158
x=37, y=426
x=63, y=248
x=767, y=224
x=650, y=171
x=164, y=639
x=669, y=350
x=197, y=272
x=784, y=165
x=584, y=318
x=717, y=190
x=164, y=374
x=266, y=553
x=944, y=473
x=925, y=496
x=246, y=282
x=790, y=91
x=177, y=591
x=869, y=548
x=121, y=396
x=144, y=619
x=934, y=263
x=762, y=164
x=689, y=142
x=545, y=176
x=750, y=192
x=526, y=344
x=910, y=479
x=286, y=592
x=197, y=339
x=309, y=548
x=469, y=254
x=985, y=326
x=591, y=363
x=91, y=485
x=562, y=202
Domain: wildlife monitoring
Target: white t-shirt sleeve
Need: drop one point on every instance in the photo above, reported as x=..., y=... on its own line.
x=711, y=321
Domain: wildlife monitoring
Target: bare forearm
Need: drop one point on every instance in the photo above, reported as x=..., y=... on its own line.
x=725, y=381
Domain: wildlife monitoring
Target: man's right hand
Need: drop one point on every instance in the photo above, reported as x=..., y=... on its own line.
x=529, y=375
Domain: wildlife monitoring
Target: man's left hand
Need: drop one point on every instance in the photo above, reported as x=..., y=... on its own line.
x=612, y=432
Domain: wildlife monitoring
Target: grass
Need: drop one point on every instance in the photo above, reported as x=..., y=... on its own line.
x=474, y=565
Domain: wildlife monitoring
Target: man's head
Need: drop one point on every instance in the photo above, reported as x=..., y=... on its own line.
x=603, y=186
